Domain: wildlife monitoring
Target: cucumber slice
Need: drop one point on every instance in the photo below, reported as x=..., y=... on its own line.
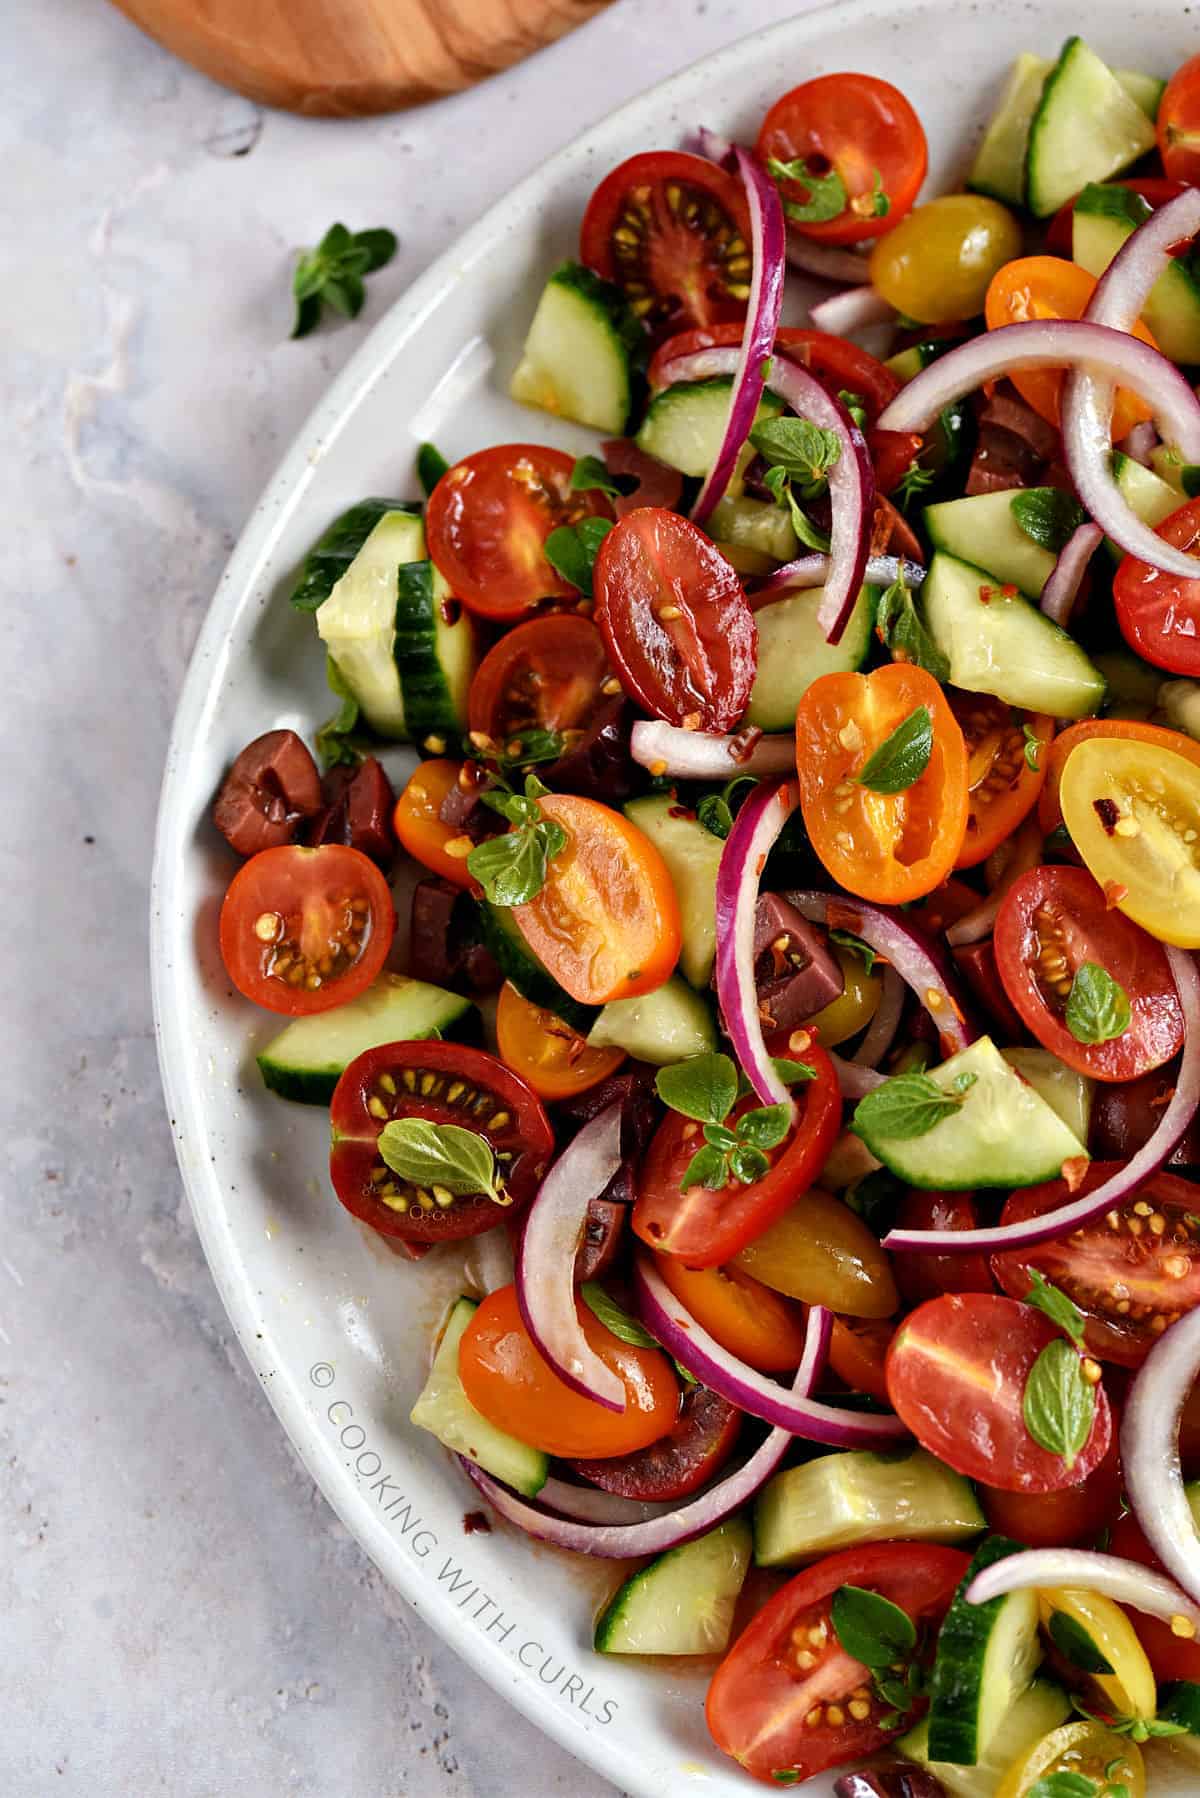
x=435, y=651
x=1132, y=682
x=1002, y=1134
x=666, y=1025
x=1068, y=1093
x=683, y=1602
x=692, y=855
x=1180, y=700
x=841, y=1500
x=986, y=1657
x=1145, y=90
x=307, y=1058
x=1103, y=218
x=332, y=553
x=1085, y=128
x=684, y=426
x=578, y=357
x=1006, y=646
x=983, y=530
x=1146, y=493
x=999, y=166
x=793, y=653
x=754, y=524
x=444, y=1409
x=1028, y=1721
x=907, y=364
x=501, y=934
x=1168, y=467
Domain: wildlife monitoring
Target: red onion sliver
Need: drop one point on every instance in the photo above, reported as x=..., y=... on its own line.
x=827, y=262
x=694, y=755
x=1126, y=1582
x=713, y=145
x=587, y=1504
x=813, y=571
x=757, y=825
x=852, y=310
x=854, y=1082
x=1141, y=1167
x=1024, y=852
x=1066, y=577
x=1140, y=444
x=668, y=1318
x=1150, y=1449
x=488, y=1261
x=550, y=1239
x=883, y=1026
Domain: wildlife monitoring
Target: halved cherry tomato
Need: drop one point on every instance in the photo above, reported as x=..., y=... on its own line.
x=1170, y=1656
x=893, y=453
x=957, y=1371
x=417, y=821
x=1131, y=1272
x=861, y=129
x=858, y=1349
x=927, y=1276
x=606, y=923
x=696, y=1447
x=1159, y=614
x=506, y=1378
x=1111, y=1764
x=444, y=1083
x=672, y=230
x=1178, y=123
x=840, y=366
x=747, y=1318
x=554, y=1059
x=488, y=518
x=1053, y=920
x=823, y=1253
x=890, y=847
x=1003, y=786
x=945, y=906
x=675, y=620
x=303, y=930
x=1130, y=730
x=1048, y=287
x=1075, y=1515
x=546, y=674
x=705, y=1229
x=779, y=1703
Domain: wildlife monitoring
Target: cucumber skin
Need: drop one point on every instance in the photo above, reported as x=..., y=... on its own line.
x=428, y=706
x=521, y=966
x=612, y=1617
x=333, y=552
x=962, y=1645
x=305, y=1089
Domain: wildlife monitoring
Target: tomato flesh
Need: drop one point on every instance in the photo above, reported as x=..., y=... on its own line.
x=744, y=1316
x=417, y=820
x=696, y=1447
x=866, y=131
x=821, y=1252
x=1003, y=787
x=1076, y=1515
x=927, y=1276
x=553, y=1058
x=1178, y=123
x=858, y=1349
x=546, y=674
x=1170, y=1656
x=1129, y=730
x=1159, y=614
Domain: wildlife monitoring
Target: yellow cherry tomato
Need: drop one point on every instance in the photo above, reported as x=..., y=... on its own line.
x=1129, y=1690
x=821, y=1252
x=854, y=1006
x=1133, y=811
x=1109, y=1761
x=938, y=263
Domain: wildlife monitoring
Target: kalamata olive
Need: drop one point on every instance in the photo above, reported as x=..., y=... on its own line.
x=657, y=484
x=602, y=1239
x=1125, y=1115
x=699, y=1443
x=795, y=973
x=599, y=765
x=271, y=789
x=976, y=963
x=641, y=1107
x=359, y=804
x=890, y=1782
x=444, y=945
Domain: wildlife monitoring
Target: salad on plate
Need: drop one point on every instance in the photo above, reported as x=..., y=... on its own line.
x=773, y=977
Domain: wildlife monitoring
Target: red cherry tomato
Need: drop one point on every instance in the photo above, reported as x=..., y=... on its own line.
x=1075, y=1515
x=1170, y=1656
x=921, y=1277
x=861, y=129
x=840, y=366
x=1178, y=123
x=696, y=1447
x=1159, y=614
x=546, y=674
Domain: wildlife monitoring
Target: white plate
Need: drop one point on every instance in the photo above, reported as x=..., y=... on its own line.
x=335, y=1327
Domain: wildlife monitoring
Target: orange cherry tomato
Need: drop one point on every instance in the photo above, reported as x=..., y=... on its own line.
x=747, y=1318
x=1179, y=123
x=890, y=847
x=418, y=824
x=606, y=923
x=1003, y=786
x=552, y=1057
x=858, y=1350
x=1049, y=287
x=507, y=1380
x=1130, y=730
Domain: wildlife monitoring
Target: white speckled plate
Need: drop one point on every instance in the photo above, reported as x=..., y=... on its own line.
x=336, y=1328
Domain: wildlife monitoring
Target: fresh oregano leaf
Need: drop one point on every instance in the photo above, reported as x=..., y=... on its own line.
x=1059, y=1404
x=1032, y=747
x=431, y=466
x=804, y=451
x=617, y=1322
x=571, y=550
x=512, y=869
x=588, y=473
x=747, y=1164
x=905, y=1107
x=1097, y=1006
x=827, y=195
x=441, y=1155
x=1055, y=1304
x=873, y=1630
x=703, y=1087
x=793, y=1073
x=901, y=630
x=337, y=740
x=708, y=1167
x=1048, y=515
x=1064, y=1785
x=332, y=273
x=848, y=940
x=902, y=757
x=764, y=1128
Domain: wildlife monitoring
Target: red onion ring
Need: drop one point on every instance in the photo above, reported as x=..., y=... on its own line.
x=683, y=1336
x=882, y=1029
x=545, y=1270
x=757, y=825
x=827, y=262
x=1140, y=444
x=852, y=310
x=694, y=755
x=1126, y=1582
x=711, y=144
x=1066, y=577
x=1176, y=1117
x=813, y=571
x=488, y=1261
x=854, y=1082
x=1025, y=852
x=1150, y=1449
x=587, y=1504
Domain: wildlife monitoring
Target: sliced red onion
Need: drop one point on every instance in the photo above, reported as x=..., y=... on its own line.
x=714, y=146
x=587, y=1504
x=757, y=825
x=882, y=1029
x=1024, y=851
x=852, y=310
x=1150, y=1449
x=855, y=1082
x=1066, y=577
x=813, y=571
x=1140, y=444
x=768, y=270
x=827, y=261
x=488, y=1261
x=694, y=755
x=683, y=1336
x=918, y=961
x=1172, y=1125
x=1126, y=1582
x=554, y=1226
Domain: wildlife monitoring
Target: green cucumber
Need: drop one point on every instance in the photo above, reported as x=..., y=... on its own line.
x=580, y=354
x=1180, y=700
x=684, y=426
x=1168, y=466
x=1065, y=1091
x=1003, y=1133
x=334, y=551
x=1145, y=492
x=755, y=524
x=1179, y=1702
x=518, y=963
x=986, y=1658
x=1085, y=128
x=1001, y=644
x=444, y=1409
x=669, y=1024
x=693, y=855
x=435, y=652
x=856, y=1496
x=999, y=166
x=793, y=653
x=1030, y=1718
x=307, y=1058
x=1146, y=90
x=683, y=1602
x=1131, y=682
x=907, y=364
x=983, y=530
x=1103, y=218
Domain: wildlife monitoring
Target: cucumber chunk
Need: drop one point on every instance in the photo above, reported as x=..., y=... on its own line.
x=1180, y=700
x=1029, y=1719
x=1167, y=466
x=983, y=530
x=841, y=1500
x=692, y=855
x=793, y=653
x=1085, y=128
x=444, y=1409
x=518, y=963
x=1002, y=1134
x=578, y=357
x=1006, y=647
x=684, y=426
x=999, y=166
x=669, y=1024
x=435, y=651
x=1146, y=90
x=986, y=1657
x=307, y=1058
x=753, y=524
x=1067, y=1092
x=683, y=1602
x=1103, y=218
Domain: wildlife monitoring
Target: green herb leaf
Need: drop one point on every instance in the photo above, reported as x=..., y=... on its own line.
x=880, y=204
x=708, y=1167
x=785, y=1776
x=445, y=1155
x=905, y=1107
x=589, y=472
x=792, y=1073
x=336, y=740
x=913, y=482
x=714, y=813
x=748, y=1164
x=431, y=466
x=1189, y=479
x=854, y=405
x=779, y=484
x=529, y=748
x=703, y=1087
x=902, y=757
x=380, y=246
x=1033, y=747
x=873, y=1630
x=875, y=1197
x=764, y=1128
x=1064, y=1785
x=848, y=940
x=1097, y=1007
x=1062, y=1312
x=826, y=193
x=804, y=451
x=720, y=1137
x=1059, y=1405
x=902, y=631
x=571, y=550
x=617, y=1322
x=333, y=273
x=512, y=869
x=1048, y=515
x=1075, y=1645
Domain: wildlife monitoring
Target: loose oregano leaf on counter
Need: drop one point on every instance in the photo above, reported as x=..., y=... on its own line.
x=332, y=273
